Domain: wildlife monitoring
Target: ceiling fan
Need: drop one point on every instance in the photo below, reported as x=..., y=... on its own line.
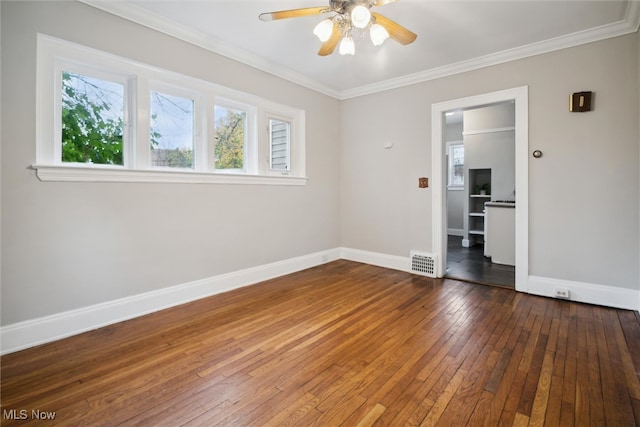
x=348, y=16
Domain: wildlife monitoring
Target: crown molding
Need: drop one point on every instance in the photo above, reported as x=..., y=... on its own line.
x=626, y=26
x=134, y=13
x=141, y=16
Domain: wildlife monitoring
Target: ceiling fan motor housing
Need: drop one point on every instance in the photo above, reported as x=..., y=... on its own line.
x=345, y=6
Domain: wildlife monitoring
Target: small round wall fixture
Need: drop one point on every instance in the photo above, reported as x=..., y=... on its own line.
x=537, y=154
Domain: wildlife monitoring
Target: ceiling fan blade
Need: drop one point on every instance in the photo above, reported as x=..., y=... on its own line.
x=395, y=30
x=383, y=2
x=293, y=13
x=329, y=46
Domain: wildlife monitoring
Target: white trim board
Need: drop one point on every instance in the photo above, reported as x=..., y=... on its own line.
x=30, y=333
x=34, y=332
x=393, y=262
x=590, y=293
x=485, y=131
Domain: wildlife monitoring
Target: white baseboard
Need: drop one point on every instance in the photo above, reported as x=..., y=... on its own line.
x=590, y=293
x=455, y=232
x=34, y=332
x=38, y=331
x=393, y=262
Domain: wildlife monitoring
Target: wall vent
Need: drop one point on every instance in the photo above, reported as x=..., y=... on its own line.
x=423, y=263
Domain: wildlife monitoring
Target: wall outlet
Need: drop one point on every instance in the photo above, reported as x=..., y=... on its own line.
x=561, y=293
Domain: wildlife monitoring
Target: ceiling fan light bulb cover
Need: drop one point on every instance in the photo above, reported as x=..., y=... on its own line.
x=360, y=16
x=378, y=34
x=323, y=30
x=347, y=46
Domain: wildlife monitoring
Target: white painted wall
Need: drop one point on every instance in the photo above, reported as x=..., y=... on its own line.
x=584, y=191
x=455, y=198
x=72, y=245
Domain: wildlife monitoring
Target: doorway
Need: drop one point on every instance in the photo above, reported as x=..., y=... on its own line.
x=480, y=194
x=519, y=97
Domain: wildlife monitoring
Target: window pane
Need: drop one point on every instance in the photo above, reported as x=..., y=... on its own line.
x=92, y=120
x=456, y=165
x=279, y=136
x=171, y=131
x=231, y=130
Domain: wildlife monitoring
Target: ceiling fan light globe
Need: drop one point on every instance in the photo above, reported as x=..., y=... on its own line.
x=323, y=30
x=347, y=46
x=378, y=34
x=360, y=16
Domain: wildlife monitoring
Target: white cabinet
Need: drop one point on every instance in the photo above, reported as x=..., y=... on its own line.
x=500, y=236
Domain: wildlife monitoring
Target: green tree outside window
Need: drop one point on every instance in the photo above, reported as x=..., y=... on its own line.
x=92, y=120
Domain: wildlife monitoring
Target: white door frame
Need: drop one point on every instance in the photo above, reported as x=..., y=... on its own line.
x=520, y=96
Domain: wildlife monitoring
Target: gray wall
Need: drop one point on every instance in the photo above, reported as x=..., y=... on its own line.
x=492, y=150
x=70, y=245
x=496, y=116
x=455, y=210
x=583, y=193
x=495, y=151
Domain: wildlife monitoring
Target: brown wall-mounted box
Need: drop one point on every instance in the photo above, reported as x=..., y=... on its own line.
x=580, y=102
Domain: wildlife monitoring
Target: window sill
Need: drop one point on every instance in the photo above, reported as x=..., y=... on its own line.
x=64, y=173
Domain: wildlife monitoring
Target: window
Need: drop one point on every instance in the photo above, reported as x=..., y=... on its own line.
x=92, y=120
x=172, y=131
x=106, y=118
x=230, y=145
x=456, y=166
x=279, y=145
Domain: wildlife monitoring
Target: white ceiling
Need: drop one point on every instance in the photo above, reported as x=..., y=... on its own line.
x=453, y=36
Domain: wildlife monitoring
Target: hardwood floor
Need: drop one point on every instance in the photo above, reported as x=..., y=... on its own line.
x=341, y=344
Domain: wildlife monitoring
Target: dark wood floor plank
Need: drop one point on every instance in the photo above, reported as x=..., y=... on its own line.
x=516, y=398
x=341, y=344
x=625, y=338
x=618, y=402
x=568, y=409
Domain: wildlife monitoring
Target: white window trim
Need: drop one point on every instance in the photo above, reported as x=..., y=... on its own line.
x=142, y=78
x=296, y=119
x=118, y=174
